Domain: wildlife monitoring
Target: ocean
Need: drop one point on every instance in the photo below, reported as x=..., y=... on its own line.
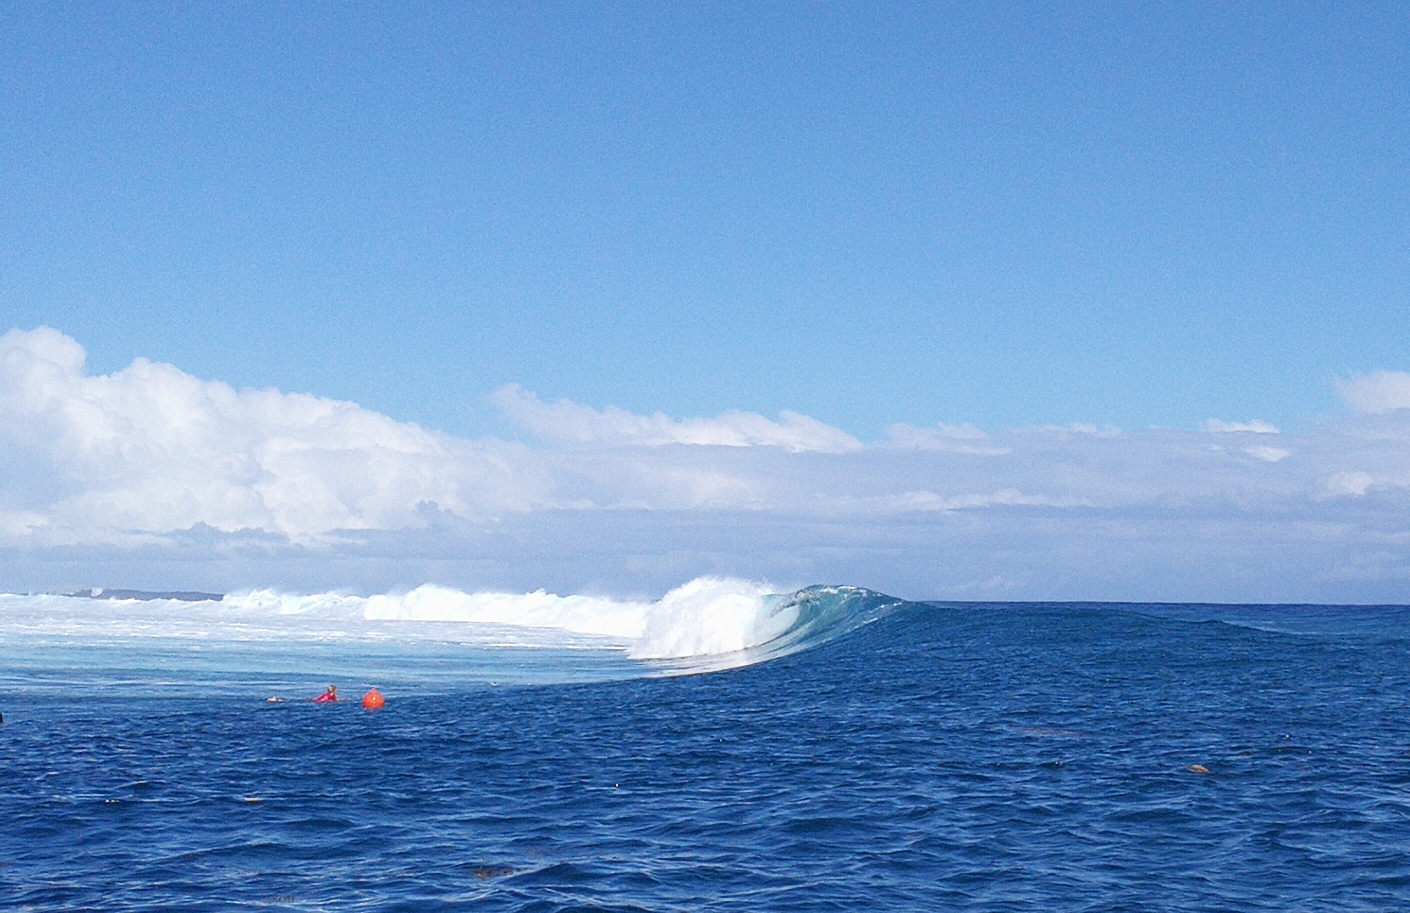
x=723, y=748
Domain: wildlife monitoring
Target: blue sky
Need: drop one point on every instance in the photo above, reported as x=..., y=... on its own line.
x=932, y=216
x=1003, y=214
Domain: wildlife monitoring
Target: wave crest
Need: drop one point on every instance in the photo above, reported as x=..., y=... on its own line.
x=707, y=617
x=706, y=624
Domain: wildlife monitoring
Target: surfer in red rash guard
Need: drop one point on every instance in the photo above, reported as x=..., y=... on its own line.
x=328, y=696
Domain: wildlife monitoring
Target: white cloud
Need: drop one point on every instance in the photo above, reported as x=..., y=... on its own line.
x=1355, y=484
x=951, y=438
x=1215, y=426
x=153, y=448
x=930, y=501
x=150, y=460
x=1085, y=428
x=1377, y=392
x=568, y=422
x=1267, y=454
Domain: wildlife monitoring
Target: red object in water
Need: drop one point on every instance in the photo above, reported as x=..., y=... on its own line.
x=373, y=700
x=327, y=697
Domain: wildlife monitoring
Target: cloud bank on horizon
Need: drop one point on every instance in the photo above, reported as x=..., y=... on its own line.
x=569, y=422
x=125, y=468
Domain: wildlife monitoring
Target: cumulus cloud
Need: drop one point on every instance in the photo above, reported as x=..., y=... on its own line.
x=153, y=448
x=568, y=422
x=150, y=457
x=1377, y=392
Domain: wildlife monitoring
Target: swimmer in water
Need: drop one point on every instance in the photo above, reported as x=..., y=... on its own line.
x=328, y=696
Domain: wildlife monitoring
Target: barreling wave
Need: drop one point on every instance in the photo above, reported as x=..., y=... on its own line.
x=790, y=623
x=708, y=624
x=708, y=617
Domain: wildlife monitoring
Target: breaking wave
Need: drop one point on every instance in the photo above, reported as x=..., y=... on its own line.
x=708, y=624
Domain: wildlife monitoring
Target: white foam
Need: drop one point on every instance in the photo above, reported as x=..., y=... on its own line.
x=705, y=617
x=277, y=603
x=610, y=618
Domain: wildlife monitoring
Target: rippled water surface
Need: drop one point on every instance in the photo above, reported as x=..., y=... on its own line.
x=950, y=757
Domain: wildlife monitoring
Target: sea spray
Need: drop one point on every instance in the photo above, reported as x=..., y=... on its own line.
x=711, y=616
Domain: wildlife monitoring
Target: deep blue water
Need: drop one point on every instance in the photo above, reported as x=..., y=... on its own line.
x=995, y=757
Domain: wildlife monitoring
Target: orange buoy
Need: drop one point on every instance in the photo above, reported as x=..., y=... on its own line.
x=373, y=700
